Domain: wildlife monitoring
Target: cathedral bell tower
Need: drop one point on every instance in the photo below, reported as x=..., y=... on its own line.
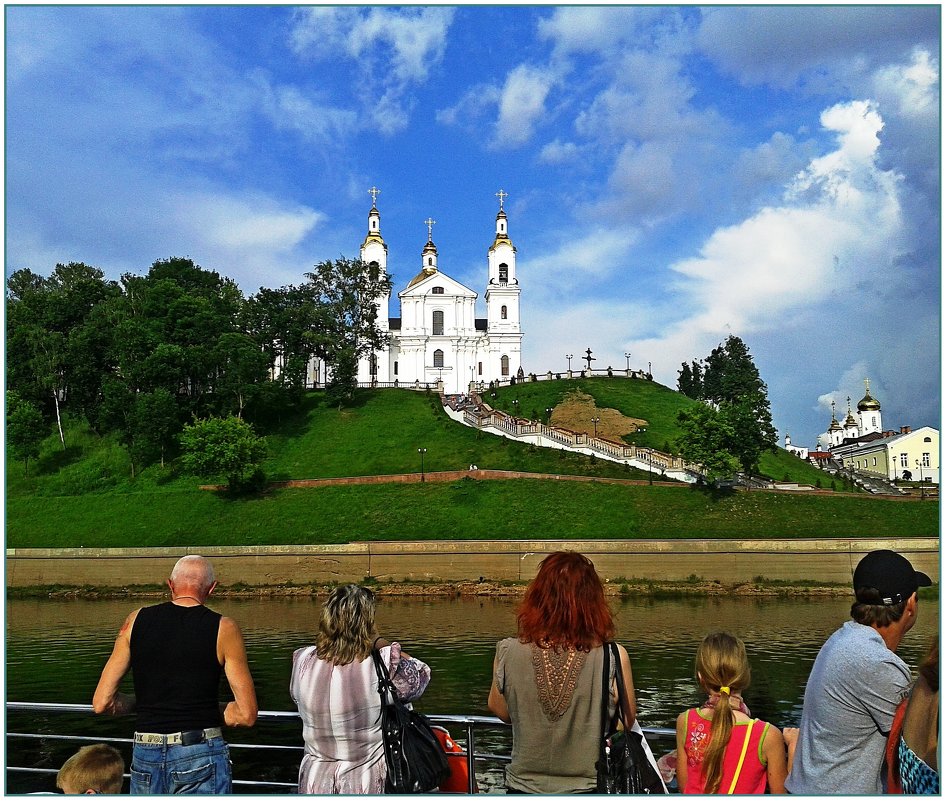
x=374, y=253
x=502, y=299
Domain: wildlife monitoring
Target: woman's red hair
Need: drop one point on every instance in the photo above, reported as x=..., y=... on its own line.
x=565, y=605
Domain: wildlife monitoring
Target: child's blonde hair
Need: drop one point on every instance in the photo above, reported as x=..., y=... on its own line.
x=722, y=666
x=93, y=767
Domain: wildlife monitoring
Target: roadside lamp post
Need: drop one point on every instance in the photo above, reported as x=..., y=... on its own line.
x=422, y=451
x=515, y=406
x=649, y=371
x=569, y=356
x=596, y=420
x=548, y=415
x=628, y=357
x=919, y=464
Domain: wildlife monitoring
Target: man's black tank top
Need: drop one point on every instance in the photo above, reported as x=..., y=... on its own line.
x=175, y=668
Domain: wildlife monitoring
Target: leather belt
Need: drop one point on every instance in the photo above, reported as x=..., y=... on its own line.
x=178, y=737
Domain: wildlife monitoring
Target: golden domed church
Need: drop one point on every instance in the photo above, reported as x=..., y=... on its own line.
x=437, y=336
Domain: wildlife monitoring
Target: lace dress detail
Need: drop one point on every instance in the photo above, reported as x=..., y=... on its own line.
x=556, y=675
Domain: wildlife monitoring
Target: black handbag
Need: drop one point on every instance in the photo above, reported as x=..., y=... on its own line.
x=623, y=767
x=414, y=757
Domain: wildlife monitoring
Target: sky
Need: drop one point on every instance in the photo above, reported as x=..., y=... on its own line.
x=675, y=174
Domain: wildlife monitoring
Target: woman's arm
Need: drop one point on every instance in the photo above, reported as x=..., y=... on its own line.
x=630, y=707
x=681, y=751
x=496, y=702
x=773, y=746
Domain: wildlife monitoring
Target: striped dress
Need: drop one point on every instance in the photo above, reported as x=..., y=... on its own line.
x=341, y=718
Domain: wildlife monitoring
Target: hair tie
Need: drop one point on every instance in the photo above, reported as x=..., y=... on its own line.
x=724, y=690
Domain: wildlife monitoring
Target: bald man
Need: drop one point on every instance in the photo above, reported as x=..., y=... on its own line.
x=176, y=652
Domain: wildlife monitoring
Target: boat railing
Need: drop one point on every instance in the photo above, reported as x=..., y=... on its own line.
x=468, y=724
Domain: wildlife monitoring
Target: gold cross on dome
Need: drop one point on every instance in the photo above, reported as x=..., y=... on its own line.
x=374, y=192
x=502, y=196
x=430, y=228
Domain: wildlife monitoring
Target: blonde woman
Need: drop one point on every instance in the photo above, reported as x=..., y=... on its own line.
x=335, y=686
x=720, y=748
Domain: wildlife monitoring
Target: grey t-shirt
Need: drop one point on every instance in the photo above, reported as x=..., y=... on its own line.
x=855, y=685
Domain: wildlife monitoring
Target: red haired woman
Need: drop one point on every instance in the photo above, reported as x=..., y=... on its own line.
x=547, y=681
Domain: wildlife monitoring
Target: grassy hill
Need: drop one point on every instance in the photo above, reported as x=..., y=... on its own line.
x=85, y=496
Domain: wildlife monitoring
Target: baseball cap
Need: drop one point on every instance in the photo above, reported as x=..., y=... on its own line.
x=891, y=575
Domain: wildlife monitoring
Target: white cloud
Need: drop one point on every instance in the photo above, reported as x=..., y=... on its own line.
x=241, y=224
x=394, y=48
x=911, y=90
x=559, y=152
x=522, y=105
x=595, y=255
x=290, y=109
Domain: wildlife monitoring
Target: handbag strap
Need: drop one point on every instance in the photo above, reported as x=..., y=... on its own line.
x=742, y=758
x=385, y=685
x=609, y=723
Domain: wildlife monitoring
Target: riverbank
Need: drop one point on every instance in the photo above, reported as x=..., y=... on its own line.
x=487, y=567
x=467, y=589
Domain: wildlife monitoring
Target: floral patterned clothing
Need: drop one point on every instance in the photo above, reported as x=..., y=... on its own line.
x=752, y=776
x=341, y=718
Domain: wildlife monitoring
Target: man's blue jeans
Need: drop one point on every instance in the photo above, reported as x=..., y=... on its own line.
x=169, y=769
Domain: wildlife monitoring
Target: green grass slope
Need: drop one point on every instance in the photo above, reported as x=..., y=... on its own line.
x=85, y=495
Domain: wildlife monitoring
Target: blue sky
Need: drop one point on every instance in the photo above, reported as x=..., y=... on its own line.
x=675, y=173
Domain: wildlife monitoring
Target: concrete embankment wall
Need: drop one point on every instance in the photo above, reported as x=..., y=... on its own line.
x=728, y=561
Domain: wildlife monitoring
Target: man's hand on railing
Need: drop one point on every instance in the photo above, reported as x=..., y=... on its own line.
x=119, y=704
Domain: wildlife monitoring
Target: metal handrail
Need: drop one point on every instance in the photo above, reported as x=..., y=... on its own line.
x=468, y=722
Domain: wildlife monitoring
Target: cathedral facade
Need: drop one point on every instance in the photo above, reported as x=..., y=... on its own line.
x=437, y=337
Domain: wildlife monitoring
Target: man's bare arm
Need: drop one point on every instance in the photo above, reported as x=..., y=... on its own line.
x=231, y=652
x=107, y=699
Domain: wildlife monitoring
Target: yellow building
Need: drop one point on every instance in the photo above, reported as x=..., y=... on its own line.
x=909, y=455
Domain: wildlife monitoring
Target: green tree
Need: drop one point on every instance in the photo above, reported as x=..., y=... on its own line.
x=347, y=293
x=25, y=429
x=242, y=368
x=153, y=424
x=224, y=446
x=706, y=439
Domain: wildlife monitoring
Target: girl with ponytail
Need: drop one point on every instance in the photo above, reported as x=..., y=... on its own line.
x=720, y=748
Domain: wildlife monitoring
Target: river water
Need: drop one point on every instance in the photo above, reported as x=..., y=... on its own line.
x=55, y=651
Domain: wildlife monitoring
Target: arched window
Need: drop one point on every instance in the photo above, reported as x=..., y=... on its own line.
x=373, y=271
x=430, y=261
x=503, y=273
x=505, y=365
x=479, y=368
x=437, y=290
x=502, y=313
x=438, y=323
x=438, y=358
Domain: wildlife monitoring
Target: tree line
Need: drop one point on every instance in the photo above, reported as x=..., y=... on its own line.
x=148, y=355
x=732, y=427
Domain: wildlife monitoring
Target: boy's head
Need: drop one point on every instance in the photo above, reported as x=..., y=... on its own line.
x=92, y=769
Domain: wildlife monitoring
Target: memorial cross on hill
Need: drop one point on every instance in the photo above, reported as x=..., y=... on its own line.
x=589, y=358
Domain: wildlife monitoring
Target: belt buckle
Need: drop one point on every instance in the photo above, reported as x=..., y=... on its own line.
x=192, y=737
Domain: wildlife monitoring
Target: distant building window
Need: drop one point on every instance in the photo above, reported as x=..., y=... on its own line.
x=874, y=464
x=926, y=460
x=430, y=261
x=438, y=323
x=437, y=290
x=505, y=365
x=903, y=460
x=927, y=439
x=395, y=368
x=480, y=368
x=503, y=313
x=503, y=273
x=438, y=358
x=373, y=271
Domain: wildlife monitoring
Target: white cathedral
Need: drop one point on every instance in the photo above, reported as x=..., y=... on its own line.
x=438, y=336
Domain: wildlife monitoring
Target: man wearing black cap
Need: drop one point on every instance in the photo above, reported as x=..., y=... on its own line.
x=856, y=683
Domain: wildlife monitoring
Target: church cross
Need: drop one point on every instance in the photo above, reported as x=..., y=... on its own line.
x=867, y=385
x=430, y=228
x=374, y=192
x=502, y=196
x=589, y=358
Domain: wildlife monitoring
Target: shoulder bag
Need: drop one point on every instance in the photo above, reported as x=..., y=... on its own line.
x=414, y=757
x=625, y=765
